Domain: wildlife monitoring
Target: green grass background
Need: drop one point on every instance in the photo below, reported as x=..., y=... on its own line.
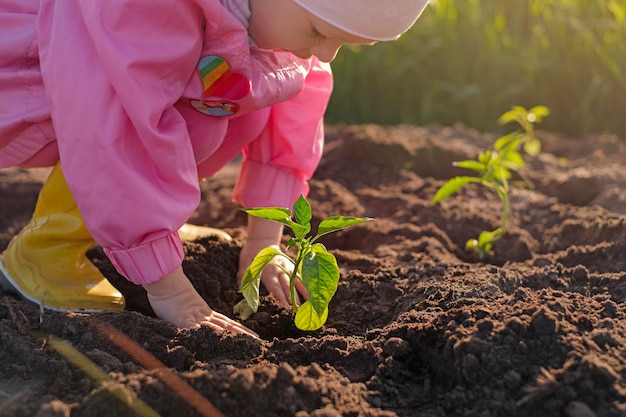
x=469, y=61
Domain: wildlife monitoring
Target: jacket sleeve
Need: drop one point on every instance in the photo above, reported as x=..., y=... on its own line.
x=277, y=165
x=114, y=71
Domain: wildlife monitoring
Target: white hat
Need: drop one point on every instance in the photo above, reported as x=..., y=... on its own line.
x=379, y=20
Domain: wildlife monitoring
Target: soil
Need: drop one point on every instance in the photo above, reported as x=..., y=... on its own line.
x=418, y=327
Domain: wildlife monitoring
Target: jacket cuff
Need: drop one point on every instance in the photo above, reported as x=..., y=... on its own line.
x=262, y=185
x=149, y=262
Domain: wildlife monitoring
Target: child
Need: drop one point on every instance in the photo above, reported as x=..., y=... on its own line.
x=135, y=101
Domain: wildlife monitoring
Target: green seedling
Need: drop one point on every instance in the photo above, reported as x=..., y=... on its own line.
x=494, y=167
x=314, y=266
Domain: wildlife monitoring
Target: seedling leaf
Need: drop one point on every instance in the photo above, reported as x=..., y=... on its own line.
x=302, y=211
x=473, y=165
x=511, y=140
x=252, y=277
x=500, y=175
x=280, y=215
x=452, y=186
x=334, y=223
x=540, y=112
x=242, y=310
x=308, y=319
x=322, y=272
x=532, y=146
x=277, y=214
x=486, y=157
x=516, y=114
x=514, y=160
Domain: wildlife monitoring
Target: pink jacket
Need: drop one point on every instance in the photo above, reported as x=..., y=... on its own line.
x=140, y=99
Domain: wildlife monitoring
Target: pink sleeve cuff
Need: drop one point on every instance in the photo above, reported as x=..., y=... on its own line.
x=262, y=185
x=148, y=263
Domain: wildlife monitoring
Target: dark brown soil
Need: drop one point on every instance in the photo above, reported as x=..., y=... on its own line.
x=418, y=326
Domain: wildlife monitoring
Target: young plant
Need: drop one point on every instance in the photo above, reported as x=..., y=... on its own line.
x=314, y=266
x=494, y=167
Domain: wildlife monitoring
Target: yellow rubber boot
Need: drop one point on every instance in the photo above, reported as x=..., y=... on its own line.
x=46, y=262
x=192, y=232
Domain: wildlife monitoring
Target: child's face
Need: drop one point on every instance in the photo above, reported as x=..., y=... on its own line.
x=282, y=24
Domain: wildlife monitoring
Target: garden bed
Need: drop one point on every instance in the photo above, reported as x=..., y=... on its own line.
x=418, y=327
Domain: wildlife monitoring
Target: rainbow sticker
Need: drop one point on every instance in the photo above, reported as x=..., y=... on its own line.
x=220, y=87
x=219, y=81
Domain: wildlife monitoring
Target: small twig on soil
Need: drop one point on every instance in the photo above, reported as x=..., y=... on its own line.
x=18, y=326
x=42, y=310
x=150, y=362
x=97, y=374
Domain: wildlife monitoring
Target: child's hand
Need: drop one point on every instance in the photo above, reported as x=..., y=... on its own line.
x=174, y=299
x=275, y=280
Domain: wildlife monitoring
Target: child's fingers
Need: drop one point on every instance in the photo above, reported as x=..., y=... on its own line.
x=278, y=288
x=219, y=321
x=301, y=290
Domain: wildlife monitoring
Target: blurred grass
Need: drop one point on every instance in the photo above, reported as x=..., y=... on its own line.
x=469, y=61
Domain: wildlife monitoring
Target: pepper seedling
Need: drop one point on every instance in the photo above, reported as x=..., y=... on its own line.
x=494, y=168
x=314, y=266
